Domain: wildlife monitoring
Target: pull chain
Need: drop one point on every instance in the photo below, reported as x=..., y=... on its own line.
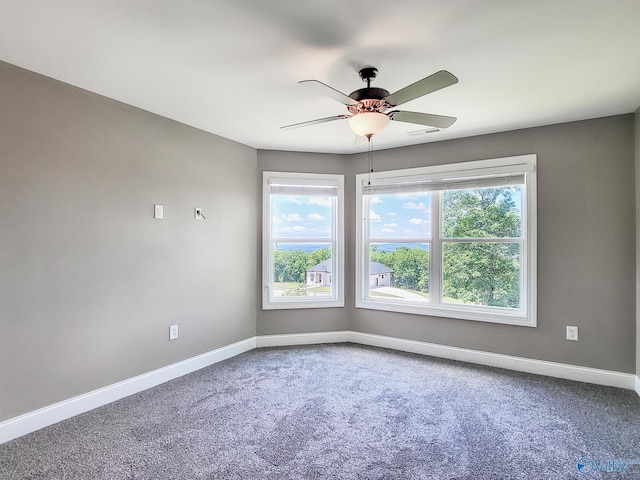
x=370, y=159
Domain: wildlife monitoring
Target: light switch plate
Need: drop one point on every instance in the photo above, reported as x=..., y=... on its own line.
x=173, y=332
x=158, y=212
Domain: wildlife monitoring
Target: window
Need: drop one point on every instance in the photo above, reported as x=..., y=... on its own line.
x=302, y=254
x=455, y=240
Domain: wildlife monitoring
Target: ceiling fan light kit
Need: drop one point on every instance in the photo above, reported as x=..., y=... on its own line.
x=368, y=123
x=369, y=107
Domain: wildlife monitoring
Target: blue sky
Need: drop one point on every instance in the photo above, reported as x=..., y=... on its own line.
x=301, y=216
x=406, y=215
x=396, y=215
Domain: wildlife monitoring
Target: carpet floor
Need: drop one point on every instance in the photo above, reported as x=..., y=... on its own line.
x=343, y=411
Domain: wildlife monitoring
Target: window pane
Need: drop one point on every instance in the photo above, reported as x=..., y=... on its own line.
x=301, y=216
x=482, y=212
x=481, y=274
x=399, y=271
x=302, y=270
x=401, y=215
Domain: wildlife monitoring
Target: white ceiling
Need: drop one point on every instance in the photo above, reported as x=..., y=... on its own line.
x=232, y=67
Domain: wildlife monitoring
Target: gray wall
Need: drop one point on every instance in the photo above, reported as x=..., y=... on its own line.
x=586, y=240
x=271, y=322
x=637, y=137
x=89, y=281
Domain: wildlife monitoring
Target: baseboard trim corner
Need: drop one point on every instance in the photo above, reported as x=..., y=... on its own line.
x=302, y=339
x=638, y=385
x=521, y=364
x=43, y=417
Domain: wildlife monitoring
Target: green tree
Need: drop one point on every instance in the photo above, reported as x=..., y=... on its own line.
x=290, y=266
x=318, y=256
x=410, y=266
x=481, y=273
x=485, y=212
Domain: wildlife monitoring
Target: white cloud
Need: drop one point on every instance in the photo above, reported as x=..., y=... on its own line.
x=387, y=230
x=294, y=217
x=392, y=214
x=417, y=221
x=276, y=220
x=413, y=206
x=324, y=201
x=315, y=216
x=391, y=225
x=308, y=200
x=375, y=199
x=374, y=217
x=292, y=199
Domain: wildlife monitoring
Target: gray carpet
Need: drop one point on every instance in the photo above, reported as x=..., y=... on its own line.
x=341, y=412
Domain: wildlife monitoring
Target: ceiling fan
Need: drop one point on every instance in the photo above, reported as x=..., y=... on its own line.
x=369, y=107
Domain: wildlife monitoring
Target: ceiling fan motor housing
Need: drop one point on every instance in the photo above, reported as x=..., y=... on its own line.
x=369, y=93
x=370, y=99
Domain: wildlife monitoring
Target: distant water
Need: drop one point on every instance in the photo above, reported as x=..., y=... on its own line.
x=310, y=247
x=305, y=247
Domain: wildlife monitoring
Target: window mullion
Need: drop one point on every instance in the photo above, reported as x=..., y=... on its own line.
x=267, y=248
x=435, y=254
x=364, y=273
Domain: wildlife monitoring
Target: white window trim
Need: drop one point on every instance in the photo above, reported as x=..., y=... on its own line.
x=527, y=315
x=302, y=180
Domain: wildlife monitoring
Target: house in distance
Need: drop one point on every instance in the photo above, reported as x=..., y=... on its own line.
x=320, y=274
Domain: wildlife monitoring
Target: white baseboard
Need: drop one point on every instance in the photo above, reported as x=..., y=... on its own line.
x=520, y=364
x=43, y=417
x=302, y=339
x=32, y=421
x=529, y=365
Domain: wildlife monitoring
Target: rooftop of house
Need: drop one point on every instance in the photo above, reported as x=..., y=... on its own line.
x=375, y=268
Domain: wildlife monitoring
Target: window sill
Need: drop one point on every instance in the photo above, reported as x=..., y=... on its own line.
x=454, y=311
x=302, y=304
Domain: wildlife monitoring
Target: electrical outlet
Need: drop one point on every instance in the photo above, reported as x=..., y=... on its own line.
x=158, y=212
x=198, y=213
x=572, y=333
x=173, y=332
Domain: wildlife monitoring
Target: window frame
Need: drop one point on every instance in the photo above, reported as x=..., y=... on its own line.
x=295, y=179
x=526, y=314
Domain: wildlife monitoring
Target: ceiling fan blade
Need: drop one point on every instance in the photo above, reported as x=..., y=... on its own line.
x=314, y=122
x=422, y=87
x=439, y=121
x=328, y=91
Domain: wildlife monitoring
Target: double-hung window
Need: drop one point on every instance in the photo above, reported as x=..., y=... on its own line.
x=456, y=240
x=302, y=254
